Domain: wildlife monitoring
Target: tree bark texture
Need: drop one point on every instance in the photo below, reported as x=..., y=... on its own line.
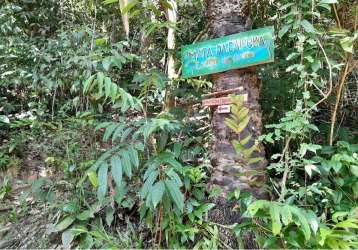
x=231, y=171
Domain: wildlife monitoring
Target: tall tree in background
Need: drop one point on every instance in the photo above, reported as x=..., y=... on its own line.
x=231, y=171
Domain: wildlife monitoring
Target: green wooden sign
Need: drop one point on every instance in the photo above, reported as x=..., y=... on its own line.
x=230, y=52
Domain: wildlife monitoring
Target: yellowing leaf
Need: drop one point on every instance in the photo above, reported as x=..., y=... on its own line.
x=92, y=176
x=347, y=44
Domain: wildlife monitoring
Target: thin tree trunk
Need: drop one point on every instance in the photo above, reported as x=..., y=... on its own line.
x=171, y=14
x=125, y=18
x=230, y=171
x=172, y=17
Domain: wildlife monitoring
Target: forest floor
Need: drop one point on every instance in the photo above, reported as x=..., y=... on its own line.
x=26, y=221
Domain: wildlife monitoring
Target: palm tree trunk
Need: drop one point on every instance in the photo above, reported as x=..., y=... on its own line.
x=225, y=18
x=230, y=171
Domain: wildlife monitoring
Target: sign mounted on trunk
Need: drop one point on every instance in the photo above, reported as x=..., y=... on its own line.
x=230, y=52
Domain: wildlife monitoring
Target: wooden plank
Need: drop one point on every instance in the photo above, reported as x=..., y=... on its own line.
x=235, y=51
x=224, y=92
x=216, y=102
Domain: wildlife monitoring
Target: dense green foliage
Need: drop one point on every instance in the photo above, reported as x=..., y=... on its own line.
x=125, y=148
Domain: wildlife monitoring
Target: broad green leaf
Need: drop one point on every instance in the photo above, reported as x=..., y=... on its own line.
x=152, y=166
x=109, y=131
x=118, y=132
x=102, y=125
x=126, y=134
x=347, y=44
x=307, y=26
x=275, y=219
x=313, y=221
x=309, y=168
x=333, y=243
x=256, y=206
x=102, y=179
x=106, y=63
x=175, y=194
x=349, y=223
x=284, y=30
x=126, y=163
x=157, y=192
x=71, y=207
x=116, y=170
x=177, y=149
x=286, y=215
x=108, y=87
x=338, y=215
x=133, y=154
x=323, y=233
x=65, y=223
x=300, y=219
x=174, y=163
x=114, y=92
x=148, y=183
x=174, y=176
x=109, y=215
x=85, y=215
x=67, y=238
x=92, y=176
x=87, y=84
x=309, y=147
